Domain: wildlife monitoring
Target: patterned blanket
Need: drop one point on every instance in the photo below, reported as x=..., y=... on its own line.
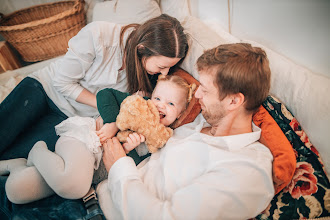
x=308, y=194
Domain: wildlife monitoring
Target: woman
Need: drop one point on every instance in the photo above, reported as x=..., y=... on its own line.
x=102, y=55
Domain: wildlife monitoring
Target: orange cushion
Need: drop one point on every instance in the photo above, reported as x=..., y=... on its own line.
x=284, y=163
x=194, y=108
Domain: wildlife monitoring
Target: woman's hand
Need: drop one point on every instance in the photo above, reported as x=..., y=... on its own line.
x=109, y=130
x=112, y=151
x=133, y=140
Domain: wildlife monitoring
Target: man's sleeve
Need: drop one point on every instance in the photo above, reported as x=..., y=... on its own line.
x=215, y=194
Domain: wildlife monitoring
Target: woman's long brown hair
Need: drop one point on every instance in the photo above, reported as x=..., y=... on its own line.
x=160, y=36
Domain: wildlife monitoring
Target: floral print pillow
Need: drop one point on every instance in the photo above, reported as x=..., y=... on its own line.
x=308, y=194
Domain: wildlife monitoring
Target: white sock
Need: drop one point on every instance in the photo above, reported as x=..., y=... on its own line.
x=6, y=166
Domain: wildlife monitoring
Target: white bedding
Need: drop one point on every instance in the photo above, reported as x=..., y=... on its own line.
x=7, y=84
x=11, y=78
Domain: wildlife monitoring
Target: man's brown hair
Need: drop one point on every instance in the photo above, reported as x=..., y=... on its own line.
x=239, y=68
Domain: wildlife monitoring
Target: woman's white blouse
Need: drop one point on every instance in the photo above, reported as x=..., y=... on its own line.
x=194, y=176
x=92, y=62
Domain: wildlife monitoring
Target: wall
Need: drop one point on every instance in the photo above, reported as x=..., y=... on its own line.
x=297, y=29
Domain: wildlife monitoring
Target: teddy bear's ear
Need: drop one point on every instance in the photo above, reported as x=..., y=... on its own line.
x=134, y=104
x=194, y=108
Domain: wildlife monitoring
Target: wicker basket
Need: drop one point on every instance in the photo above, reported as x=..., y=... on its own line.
x=42, y=32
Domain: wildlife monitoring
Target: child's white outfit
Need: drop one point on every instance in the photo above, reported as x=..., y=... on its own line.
x=83, y=129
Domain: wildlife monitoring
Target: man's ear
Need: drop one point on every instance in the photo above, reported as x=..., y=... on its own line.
x=236, y=100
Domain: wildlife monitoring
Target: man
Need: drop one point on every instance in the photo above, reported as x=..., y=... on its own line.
x=212, y=168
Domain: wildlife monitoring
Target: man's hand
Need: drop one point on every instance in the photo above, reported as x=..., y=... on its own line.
x=133, y=140
x=109, y=130
x=113, y=151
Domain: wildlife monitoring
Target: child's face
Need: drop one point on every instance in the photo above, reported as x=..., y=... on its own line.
x=159, y=64
x=170, y=101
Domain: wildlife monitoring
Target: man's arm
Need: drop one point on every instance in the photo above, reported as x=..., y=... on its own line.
x=204, y=198
x=240, y=192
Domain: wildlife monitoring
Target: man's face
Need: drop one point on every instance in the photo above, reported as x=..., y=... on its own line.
x=207, y=93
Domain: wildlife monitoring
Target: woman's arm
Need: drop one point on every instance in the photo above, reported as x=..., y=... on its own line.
x=88, y=98
x=72, y=68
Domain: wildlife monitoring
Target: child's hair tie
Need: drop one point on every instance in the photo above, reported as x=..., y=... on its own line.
x=192, y=88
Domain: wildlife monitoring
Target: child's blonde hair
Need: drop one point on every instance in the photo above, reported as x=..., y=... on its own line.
x=182, y=83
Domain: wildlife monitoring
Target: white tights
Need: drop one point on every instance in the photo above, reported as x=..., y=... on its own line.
x=67, y=172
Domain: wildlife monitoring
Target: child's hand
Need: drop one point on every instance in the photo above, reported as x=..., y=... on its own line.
x=133, y=140
x=99, y=123
x=108, y=130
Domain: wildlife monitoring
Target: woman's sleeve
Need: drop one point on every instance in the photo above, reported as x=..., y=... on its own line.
x=108, y=103
x=75, y=63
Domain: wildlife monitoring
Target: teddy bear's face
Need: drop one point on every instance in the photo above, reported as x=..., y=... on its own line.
x=171, y=103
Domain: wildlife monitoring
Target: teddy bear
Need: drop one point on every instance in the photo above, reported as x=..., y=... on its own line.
x=141, y=116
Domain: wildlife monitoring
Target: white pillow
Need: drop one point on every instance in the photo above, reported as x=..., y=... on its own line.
x=175, y=8
x=90, y=4
x=200, y=38
x=126, y=11
x=306, y=96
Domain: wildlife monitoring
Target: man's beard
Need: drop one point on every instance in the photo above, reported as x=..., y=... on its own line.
x=214, y=115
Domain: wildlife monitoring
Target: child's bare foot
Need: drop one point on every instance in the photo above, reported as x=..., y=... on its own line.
x=37, y=146
x=6, y=166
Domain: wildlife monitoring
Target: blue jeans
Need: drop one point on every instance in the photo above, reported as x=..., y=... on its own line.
x=27, y=115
